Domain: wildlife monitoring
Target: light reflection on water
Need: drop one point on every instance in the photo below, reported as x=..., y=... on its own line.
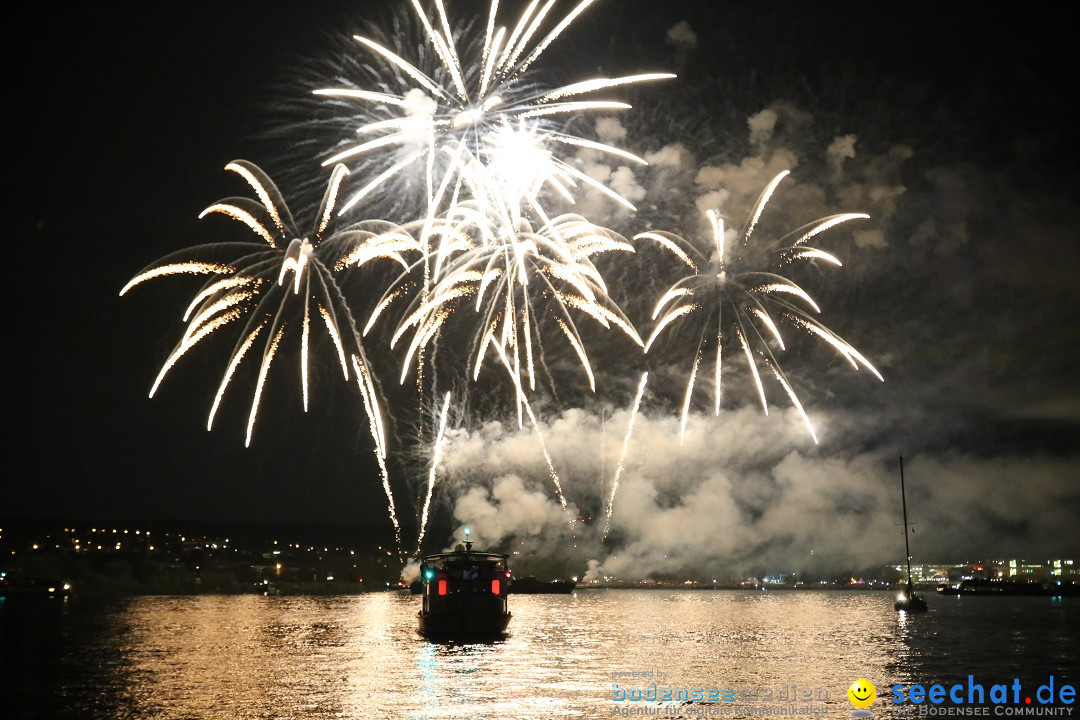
x=221, y=657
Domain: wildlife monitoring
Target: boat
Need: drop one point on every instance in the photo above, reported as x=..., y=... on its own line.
x=908, y=600
x=529, y=585
x=12, y=585
x=464, y=594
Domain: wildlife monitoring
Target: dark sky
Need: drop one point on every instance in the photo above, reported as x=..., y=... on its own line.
x=125, y=114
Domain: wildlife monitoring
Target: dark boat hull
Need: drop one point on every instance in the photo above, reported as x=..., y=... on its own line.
x=463, y=624
x=34, y=588
x=527, y=586
x=911, y=605
x=464, y=595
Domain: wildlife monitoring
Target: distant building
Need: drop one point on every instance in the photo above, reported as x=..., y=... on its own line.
x=1011, y=569
x=1034, y=571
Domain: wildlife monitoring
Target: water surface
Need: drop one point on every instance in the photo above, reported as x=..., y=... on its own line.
x=237, y=657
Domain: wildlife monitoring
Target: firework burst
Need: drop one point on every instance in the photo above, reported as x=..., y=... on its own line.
x=463, y=106
x=514, y=282
x=739, y=298
x=283, y=281
x=470, y=147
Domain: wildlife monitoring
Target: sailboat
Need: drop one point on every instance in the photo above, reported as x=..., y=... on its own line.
x=908, y=600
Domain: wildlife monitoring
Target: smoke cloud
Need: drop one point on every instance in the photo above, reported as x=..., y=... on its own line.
x=682, y=35
x=744, y=494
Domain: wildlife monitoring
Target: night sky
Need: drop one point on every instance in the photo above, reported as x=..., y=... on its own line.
x=126, y=113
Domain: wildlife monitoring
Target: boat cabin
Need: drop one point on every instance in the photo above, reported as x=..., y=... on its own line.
x=464, y=593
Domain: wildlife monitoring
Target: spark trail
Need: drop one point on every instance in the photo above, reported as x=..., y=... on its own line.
x=622, y=454
x=436, y=458
x=739, y=297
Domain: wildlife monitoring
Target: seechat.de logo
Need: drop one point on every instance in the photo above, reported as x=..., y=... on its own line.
x=1005, y=698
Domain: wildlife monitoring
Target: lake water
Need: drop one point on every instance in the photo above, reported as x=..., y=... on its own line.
x=230, y=657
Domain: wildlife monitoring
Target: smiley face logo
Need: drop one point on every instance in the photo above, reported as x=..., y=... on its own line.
x=862, y=693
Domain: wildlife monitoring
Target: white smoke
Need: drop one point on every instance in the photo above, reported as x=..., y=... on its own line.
x=841, y=149
x=509, y=509
x=610, y=130
x=824, y=179
x=411, y=571
x=674, y=155
x=762, y=125
x=732, y=186
x=624, y=183
x=748, y=491
x=682, y=35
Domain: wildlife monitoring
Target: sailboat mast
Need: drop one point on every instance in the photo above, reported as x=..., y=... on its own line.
x=903, y=501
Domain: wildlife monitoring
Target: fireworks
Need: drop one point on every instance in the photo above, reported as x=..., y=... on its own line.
x=252, y=283
x=470, y=115
x=464, y=117
x=278, y=283
x=503, y=276
x=738, y=294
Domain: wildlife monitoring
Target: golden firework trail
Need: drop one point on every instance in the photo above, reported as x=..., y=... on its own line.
x=622, y=454
x=281, y=275
x=436, y=458
x=509, y=283
x=738, y=295
x=369, y=396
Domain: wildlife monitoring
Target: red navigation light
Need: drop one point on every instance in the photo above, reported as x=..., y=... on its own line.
x=507, y=573
x=496, y=586
x=442, y=587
